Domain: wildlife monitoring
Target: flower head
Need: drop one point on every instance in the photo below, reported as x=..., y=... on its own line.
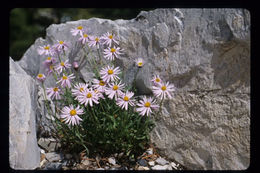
x=66, y=80
x=49, y=60
x=139, y=62
x=156, y=80
x=45, y=50
x=61, y=45
x=163, y=90
x=84, y=38
x=94, y=41
x=70, y=114
x=62, y=66
x=109, y=73
x=114, y=90
x=112, y=53
x=79, y=89
x=41, y=77
x=75, y=65
x=88, y=97
x=125, y=99
x=49, y=69
x=100, y=85
x=146, y=105
x=53, y=93
x=109, y=38
x=77, y=30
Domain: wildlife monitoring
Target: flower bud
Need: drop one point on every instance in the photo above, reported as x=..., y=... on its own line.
x=75, y=65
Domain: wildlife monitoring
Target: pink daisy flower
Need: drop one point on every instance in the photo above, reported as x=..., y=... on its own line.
x=62, y=66
x=88, y=97
x=99, y=93
x=139, y=62
x=53, y=93
x=66, y=80
x=76, y=31
x=94, y=41
x=41, y=77
x=114, y=90
x=84, y=38
x=79, y=89
x=70, y=115
x=45, y=50
x=100, y=85
x=146, y=105
x=125, y=99
x=49, y=60
x=49, y=69
x=163, y=90
x=61, y=45
x=156, y=80
x=108, y=39
x=112, y=53
x=109, y=73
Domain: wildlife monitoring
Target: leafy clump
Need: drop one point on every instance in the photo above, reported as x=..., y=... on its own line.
x=101, y=115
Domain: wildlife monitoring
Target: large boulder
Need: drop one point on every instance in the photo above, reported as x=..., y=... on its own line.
x=205, y=53
x=24, y=152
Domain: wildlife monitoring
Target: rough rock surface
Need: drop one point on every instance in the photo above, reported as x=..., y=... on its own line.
x=23, y=149
x=205, y=53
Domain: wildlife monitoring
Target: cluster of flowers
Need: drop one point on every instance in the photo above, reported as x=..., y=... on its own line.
x=110, y=84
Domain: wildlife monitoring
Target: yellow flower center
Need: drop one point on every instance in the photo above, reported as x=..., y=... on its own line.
x=62, y=64
x=96, y=39
x=64, y=77
x=46, y=47
x=110, y=71
x=157, y=80
x=113, y=50
x=40, y=75
x=81, y=89
x=80, y=27
x=73, y=112
x=96, y=91
x=163, y=88
x=102, y=83
x=55, y=89
x=147, y=104
x=89, y=95
x=126, y=98
x=49, y=58
x=51, y=67
x=111, y=36
x=61, y=42
x=140, y=64
x=85, y=35
x=115, y=87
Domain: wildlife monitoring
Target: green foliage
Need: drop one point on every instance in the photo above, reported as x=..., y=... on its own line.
x=106, y=129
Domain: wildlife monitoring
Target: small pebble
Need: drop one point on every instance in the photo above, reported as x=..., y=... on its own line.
x=151, y=163
x=86, y=162
x=100, y=169
x=143, y=168
x=112, y=160
x=174, y=166
x=159, y=167
x=149, y=151
x=142, y=162
x=161, y=161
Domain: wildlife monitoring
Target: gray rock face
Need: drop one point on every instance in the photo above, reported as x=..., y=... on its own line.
x=23, y=148
x=205, y=53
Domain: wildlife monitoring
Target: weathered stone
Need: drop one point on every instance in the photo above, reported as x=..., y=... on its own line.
x=112, y=160
x=159, y=167
x=53, y=157
x=23, y=148
x=49, y=144
x=205, y=53
x=151, y=163
x=161, y=161
x=142, y=168
x=53, y=166
x=142, y=162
